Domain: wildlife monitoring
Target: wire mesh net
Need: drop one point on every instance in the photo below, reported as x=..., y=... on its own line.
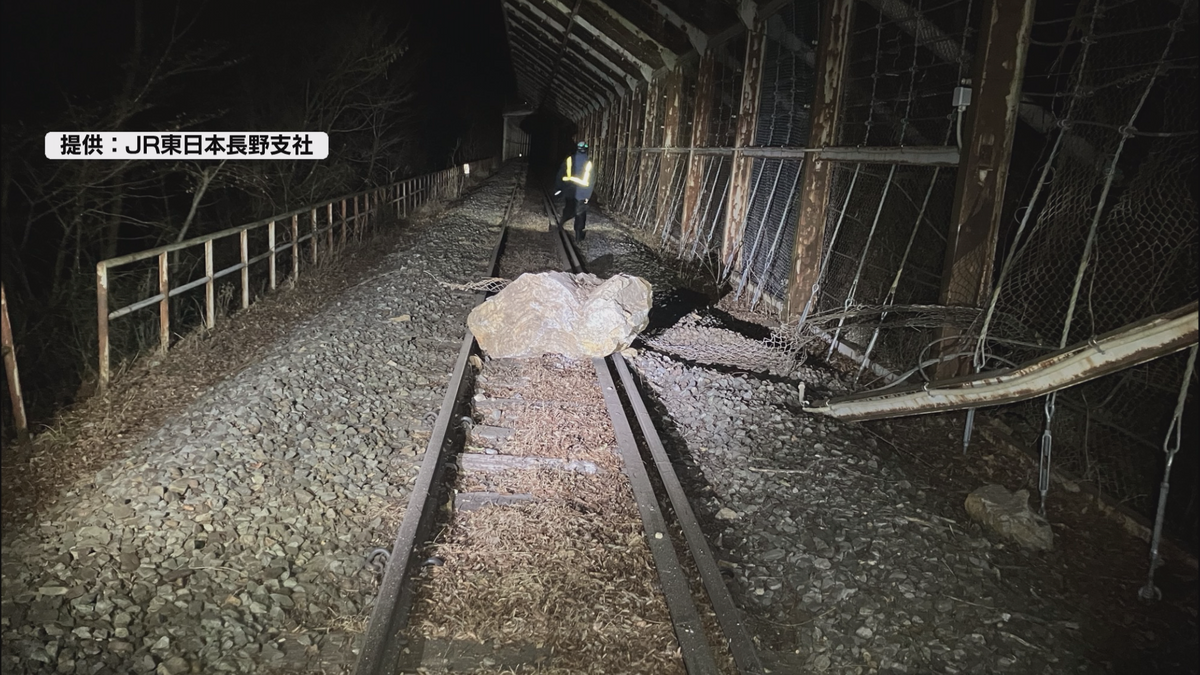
x=784, y=119
x=904, y=61
x=1110, y=234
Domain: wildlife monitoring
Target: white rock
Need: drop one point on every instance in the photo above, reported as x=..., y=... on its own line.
x=575, y=315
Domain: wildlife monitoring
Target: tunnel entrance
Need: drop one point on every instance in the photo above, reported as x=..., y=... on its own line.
x=551, y=138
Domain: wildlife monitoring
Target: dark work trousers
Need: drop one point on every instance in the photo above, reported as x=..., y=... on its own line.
x=572, y=209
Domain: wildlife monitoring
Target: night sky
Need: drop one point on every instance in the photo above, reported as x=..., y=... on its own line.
x=57, y=51
x=64, y=66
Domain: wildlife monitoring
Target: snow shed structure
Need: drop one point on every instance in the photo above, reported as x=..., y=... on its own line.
x=936, y=189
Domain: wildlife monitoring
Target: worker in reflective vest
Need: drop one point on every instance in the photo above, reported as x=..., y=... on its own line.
x=576, y=177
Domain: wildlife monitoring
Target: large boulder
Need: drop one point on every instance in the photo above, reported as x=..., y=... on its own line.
x=1009, y=515
x=576, y=315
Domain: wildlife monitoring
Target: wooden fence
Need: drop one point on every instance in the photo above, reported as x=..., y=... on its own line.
x=326, y=226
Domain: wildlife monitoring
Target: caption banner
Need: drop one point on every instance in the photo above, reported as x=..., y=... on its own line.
x=187, y=145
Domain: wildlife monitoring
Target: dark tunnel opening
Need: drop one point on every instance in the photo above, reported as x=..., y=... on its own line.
x=551, y=138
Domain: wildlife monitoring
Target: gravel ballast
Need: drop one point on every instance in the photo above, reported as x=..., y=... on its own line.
x=233, y=538
x=849, y=547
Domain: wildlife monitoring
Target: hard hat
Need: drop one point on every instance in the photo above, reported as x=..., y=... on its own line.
x=582, y=146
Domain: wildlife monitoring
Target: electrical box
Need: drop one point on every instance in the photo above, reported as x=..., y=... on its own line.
x=962, y=97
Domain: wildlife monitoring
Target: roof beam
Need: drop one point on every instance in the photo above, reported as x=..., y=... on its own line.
x=638, y=65
x=615, y=75
x=595, y=13
x=562, y=49
x=697, y=37
x=598, y=80
x=530, y=62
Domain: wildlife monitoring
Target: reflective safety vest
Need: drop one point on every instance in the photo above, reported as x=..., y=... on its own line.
x=585, y=180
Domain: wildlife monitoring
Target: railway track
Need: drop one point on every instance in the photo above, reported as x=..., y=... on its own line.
x=535, y=539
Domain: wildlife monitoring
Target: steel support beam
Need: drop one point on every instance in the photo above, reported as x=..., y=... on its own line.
x=531, y=22
x=832, y=53
x=739, y=179
x=696, y=37
x=701, y=112
x=979, y=194
x=614, y=72
x=668, y=57
x=649, y=112
x=1117, y=350
x=670, y=130
x=629, y=119
x=558, y=57
x=907, y=155
x=646, y=69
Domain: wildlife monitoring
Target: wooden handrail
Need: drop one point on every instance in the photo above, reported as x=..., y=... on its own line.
x=403, y=196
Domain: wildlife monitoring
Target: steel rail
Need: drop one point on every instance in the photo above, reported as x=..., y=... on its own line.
x=728, y=614
x=383, y=643
x=695, y=649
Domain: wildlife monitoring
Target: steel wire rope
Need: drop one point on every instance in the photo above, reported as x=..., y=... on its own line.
x=1170, y=446
x=889, y=299
x=849, y=301
x=1085, y=257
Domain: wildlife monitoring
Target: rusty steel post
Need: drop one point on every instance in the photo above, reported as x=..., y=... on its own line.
x=832, y=53
x=210, y=287
x=983, y=169
x=653, y=100
x=10, y=370
x=244, y=245
x=702, y=111
x=271, y=246
x=666, y=163
x=742, y=169
x=312, y=221
x=164, y=305
x=631, y=128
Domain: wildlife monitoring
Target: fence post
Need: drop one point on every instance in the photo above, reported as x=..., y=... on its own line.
x=357, y=223
x=404, y=199
x=329, y=222
x=10, y=369
x=210, y=287
x=164, y=305
x=343, y=222
x=295, y=248
x=271, y=245
x=244, y=245
x=312, y=218
x=102, y=324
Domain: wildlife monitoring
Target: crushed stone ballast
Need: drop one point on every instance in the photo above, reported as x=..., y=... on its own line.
x=550, y=552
